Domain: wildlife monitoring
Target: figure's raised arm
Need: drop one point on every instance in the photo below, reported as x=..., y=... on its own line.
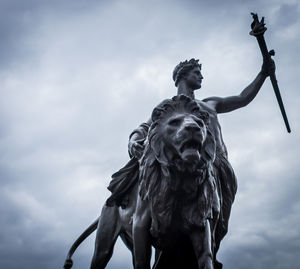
x=227, y=104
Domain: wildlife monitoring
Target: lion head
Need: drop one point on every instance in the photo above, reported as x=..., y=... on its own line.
x=179, y=134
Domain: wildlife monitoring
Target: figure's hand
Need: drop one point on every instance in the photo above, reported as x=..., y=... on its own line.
x=268, y=67
x=136, y=148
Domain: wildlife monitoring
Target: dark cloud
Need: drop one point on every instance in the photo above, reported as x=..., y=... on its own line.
x=287, y=15
x=19, y=20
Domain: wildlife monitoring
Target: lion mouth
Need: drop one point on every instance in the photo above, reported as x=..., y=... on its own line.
x=190, y=150
x=190, y=144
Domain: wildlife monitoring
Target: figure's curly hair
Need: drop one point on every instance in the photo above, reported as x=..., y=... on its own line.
x=183, y=68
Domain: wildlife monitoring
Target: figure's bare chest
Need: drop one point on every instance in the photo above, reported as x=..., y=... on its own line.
x=214, y=125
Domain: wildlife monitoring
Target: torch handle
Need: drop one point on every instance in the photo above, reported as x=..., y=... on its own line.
x=279, y=100
x=263, y=47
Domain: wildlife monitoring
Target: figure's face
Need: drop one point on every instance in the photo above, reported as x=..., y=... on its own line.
x=194, y=78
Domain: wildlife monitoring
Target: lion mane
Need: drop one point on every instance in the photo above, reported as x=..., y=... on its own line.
x=176, y=192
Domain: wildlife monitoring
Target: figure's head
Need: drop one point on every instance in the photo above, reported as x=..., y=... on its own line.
x=190, y=71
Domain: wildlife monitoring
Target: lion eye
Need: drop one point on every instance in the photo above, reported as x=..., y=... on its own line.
x=174, y=122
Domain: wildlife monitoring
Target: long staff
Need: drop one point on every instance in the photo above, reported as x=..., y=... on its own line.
x=258, y=30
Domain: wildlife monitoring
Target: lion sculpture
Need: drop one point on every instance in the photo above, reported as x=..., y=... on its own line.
x=173, y=204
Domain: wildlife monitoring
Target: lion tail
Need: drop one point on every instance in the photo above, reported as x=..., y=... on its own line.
x=68, y=262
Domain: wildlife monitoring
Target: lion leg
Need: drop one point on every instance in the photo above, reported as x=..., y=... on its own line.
x=141, y=235
x=222, y=228
x=214, y=222
x=109, y=227
x=201, y=241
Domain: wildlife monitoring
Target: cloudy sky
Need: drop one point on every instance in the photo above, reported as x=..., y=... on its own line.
x=76, y=77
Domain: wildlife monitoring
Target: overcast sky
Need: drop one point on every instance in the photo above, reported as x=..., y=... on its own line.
x=76, y=77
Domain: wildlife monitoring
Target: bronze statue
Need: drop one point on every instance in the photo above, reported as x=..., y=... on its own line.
x=177, y=190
